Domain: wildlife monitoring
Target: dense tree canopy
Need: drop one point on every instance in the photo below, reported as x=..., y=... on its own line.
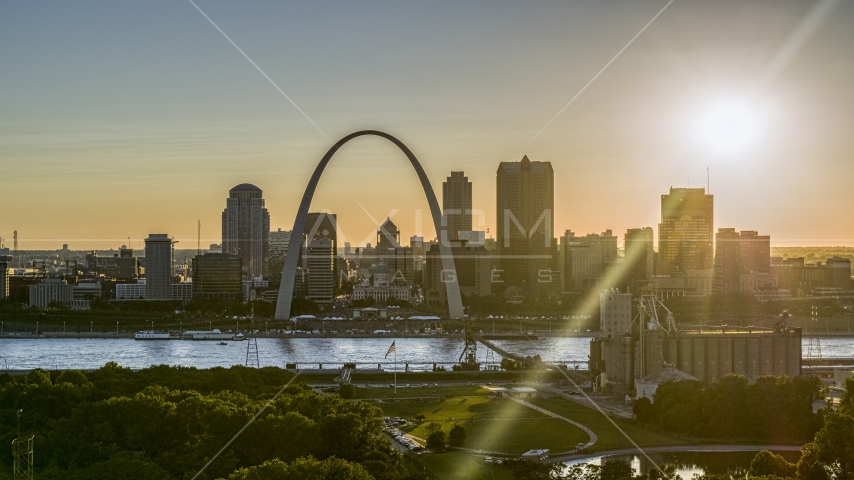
x=167, y=422
x=772, y=409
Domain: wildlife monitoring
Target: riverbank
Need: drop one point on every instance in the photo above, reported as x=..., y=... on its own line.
x=535, y=336
x=292, y=334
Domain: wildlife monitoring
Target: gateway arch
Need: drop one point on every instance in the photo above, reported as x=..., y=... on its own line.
x=286, y=289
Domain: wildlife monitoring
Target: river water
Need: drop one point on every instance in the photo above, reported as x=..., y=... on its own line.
x=419, y=353
x=688, y=464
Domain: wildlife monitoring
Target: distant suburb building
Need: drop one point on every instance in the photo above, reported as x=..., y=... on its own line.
x=246, y=228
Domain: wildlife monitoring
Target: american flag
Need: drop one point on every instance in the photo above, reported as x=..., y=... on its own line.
x=390, y=349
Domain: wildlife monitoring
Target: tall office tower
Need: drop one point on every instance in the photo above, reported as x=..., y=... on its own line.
x=127, y=266
x=755, y=252
x=277, y=248
x=5, y=262
x=456, y=204
x=321, y=225
x=727, y=262
x=321, y=275
x=686, y=230
x=584, y=259
x=245, y=228
x=158, y=267
x=525, y=218
x=639, y=256
x=742, y=261
x=217, y=275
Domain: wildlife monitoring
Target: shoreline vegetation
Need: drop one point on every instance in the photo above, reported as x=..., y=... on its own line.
x=163, y=423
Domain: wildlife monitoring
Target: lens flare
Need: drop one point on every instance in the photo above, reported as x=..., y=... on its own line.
x=729, y=127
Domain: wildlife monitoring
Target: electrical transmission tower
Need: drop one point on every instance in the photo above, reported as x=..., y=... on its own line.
x=22, y=452
x=22, y=455
x=252, y=353
x=814, y=345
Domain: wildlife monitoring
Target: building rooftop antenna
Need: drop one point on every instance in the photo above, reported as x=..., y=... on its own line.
x=199, y=238
x=15, y=247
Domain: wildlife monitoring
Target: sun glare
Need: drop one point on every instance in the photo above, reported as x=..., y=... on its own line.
x=729, y=127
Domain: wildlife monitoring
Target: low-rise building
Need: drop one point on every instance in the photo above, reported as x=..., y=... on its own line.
x=131, y=291
x=52, y=290
x=382, y=288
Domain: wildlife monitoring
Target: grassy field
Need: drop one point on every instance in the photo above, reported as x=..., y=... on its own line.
x=492, y=424
x=609, y=436
x=501, y=425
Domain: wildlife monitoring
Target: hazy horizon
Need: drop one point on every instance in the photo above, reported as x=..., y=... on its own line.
x=120, y=120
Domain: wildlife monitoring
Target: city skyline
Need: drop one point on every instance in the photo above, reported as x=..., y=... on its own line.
x=167, y=122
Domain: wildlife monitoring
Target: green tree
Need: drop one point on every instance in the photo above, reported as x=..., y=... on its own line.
x=835, y=450
x=809, y=466
x=457, y=436
x=436, y=441
x=74, y=377
x=347, y=391
x=615, y=470
x=643, y=409
x=769, y=463
x=307, y=468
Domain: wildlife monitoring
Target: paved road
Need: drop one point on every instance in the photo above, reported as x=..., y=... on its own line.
x=679, y=448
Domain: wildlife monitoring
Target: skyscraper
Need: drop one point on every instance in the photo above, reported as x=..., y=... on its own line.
x=321, y=276
x=727, y=262
x=525, y=219
x=158, y=267
x=276, y=250
x=456, y=204
x=320, y=225
x=585, y=259
x=246, y=227
x=755, y=252
x=639, y=256
x=685, y=234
